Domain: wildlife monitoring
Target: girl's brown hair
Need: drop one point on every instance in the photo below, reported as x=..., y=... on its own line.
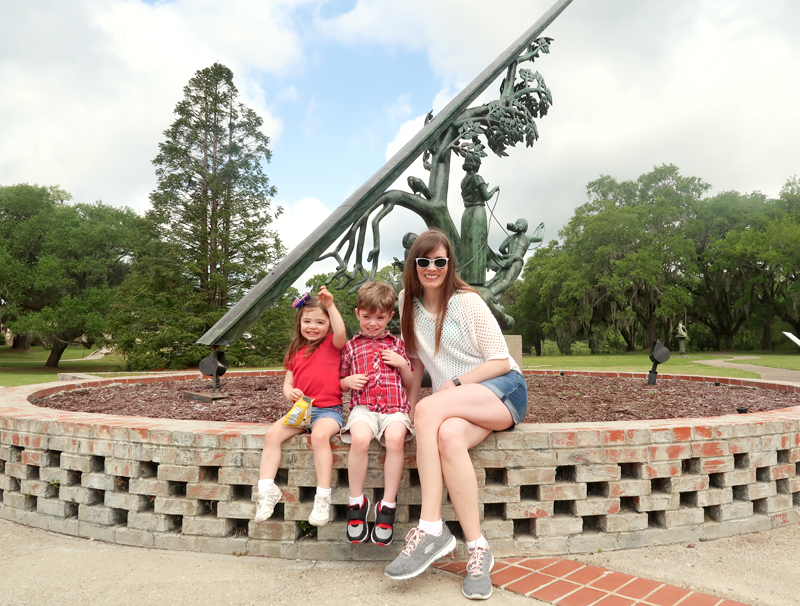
x=423, y=246
x=299, y=341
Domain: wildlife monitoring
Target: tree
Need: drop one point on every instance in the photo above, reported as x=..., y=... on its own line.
x=211, y=239
x=60, y=264
x=213, y=198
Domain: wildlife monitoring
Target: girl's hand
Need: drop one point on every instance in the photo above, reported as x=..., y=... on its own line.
x=325, y=297
x=355, y=381
x=295, y=394
x=392, y=358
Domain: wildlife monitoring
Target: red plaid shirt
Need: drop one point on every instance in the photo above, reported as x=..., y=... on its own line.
x=384, y=391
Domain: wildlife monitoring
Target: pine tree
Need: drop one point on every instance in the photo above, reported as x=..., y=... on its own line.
x=213, y=200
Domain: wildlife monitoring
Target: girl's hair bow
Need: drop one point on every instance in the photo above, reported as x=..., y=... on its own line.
x=301, y=300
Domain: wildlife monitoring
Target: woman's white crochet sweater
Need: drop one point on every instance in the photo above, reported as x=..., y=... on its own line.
x=470, y=337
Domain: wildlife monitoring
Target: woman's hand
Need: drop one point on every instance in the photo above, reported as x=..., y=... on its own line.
x=448, y=385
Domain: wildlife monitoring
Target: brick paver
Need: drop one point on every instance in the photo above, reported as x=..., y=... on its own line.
x=569, y=583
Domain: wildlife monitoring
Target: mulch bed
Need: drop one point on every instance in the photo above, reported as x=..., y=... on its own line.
x=551, y=399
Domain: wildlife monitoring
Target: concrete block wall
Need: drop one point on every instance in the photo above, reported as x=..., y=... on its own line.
x=544, y=489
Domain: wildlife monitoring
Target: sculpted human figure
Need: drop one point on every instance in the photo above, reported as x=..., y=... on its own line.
x=509, y=264
x=474, y=227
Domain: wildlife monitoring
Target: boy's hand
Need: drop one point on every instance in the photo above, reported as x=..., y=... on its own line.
x=355, y=381
x=392, y=358
x=295, y=394
x=325, y=297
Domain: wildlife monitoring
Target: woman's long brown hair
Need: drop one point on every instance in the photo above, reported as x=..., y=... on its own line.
x=423, y=246
x=299, y=341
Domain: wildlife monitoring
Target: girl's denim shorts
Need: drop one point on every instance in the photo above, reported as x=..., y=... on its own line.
x=329, y=412
x=513, y=392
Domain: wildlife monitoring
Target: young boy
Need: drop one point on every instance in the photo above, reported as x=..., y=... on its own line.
x=376, y=369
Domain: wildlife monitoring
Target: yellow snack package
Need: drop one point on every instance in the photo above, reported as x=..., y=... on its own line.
x=299, y=414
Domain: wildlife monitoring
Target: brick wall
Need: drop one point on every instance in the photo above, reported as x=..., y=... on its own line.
x=545, y=489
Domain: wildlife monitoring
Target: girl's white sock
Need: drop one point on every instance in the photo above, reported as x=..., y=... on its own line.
x=357, y=500
x=265, y=485
x=323, y=492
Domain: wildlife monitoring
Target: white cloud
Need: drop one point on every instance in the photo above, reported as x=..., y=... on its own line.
x=94, y=84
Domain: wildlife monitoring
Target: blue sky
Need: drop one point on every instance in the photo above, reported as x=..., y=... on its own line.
x=709, y=85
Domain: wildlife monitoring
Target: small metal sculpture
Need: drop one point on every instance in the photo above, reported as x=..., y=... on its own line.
x=682, y=336
x=509, y=263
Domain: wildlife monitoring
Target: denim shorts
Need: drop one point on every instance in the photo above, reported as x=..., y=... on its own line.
x=513, y=392
x=329, y=412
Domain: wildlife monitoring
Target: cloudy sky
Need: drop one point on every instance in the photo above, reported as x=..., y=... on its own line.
x=89, y=86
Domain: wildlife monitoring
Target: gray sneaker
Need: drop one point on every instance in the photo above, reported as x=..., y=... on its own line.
x=422, y=550
x=478, y=584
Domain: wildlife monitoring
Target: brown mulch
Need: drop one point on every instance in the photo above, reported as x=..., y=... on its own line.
x=551, y=399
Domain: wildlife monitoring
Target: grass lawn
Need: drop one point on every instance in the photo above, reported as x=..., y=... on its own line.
x=640, y=362
x=28, y=368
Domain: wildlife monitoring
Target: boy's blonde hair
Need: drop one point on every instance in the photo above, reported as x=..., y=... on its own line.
x=376, y=296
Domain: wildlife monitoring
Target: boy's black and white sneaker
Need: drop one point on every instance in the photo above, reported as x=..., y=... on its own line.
x=357, y=527
x=383, y=531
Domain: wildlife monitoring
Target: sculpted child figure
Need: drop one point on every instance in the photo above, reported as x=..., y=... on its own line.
x=376, y=371
x=312, y=369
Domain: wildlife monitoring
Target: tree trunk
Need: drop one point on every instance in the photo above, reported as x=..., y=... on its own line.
x=729, y=341
x=766, y=336
x=21, y=343
x=537, y=346
x=55, y=354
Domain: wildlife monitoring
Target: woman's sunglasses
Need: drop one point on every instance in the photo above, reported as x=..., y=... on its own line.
x=438, y=262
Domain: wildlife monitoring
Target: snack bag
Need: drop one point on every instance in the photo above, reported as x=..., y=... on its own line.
x=300, y=413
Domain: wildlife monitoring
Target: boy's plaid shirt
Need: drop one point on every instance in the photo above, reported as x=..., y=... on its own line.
x=384, y=391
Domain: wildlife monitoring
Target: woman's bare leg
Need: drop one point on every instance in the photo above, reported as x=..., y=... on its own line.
x=474, y=403
x=456, y=437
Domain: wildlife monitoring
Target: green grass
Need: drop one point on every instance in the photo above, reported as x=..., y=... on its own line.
x=28, y=368
x=640, y=362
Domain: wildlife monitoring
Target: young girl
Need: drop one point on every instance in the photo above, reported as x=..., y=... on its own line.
x=312, y=369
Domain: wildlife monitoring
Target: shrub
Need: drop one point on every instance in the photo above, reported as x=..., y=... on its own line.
x=550, y=348
x=580, y=348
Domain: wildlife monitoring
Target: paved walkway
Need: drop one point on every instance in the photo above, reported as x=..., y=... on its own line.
x=767, y=373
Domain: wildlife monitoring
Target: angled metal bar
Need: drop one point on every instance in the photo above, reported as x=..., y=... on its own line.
x=234, y=323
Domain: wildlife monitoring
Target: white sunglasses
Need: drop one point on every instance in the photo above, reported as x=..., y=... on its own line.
x=438, y=262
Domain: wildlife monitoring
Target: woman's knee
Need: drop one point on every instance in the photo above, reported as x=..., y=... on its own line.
x=451, y=437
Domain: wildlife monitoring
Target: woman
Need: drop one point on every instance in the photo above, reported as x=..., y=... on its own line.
x=478, y=389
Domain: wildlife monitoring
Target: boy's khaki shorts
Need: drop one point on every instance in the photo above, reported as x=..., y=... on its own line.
x=378, y=422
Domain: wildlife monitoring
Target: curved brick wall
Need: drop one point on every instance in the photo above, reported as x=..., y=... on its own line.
x=545, y=489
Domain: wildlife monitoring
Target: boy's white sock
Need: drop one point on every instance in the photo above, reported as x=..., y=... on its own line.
x=434, y=528
x=265, y=485
x=323, y=492
x=387, y=504
x=479, y=542
x=357, y=500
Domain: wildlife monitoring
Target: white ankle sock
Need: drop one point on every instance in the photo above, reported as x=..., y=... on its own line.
x=387, y=504
x=479, y=542
x=265, y=485
x=434, y=528
x=356, y=500
x=323, y=492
